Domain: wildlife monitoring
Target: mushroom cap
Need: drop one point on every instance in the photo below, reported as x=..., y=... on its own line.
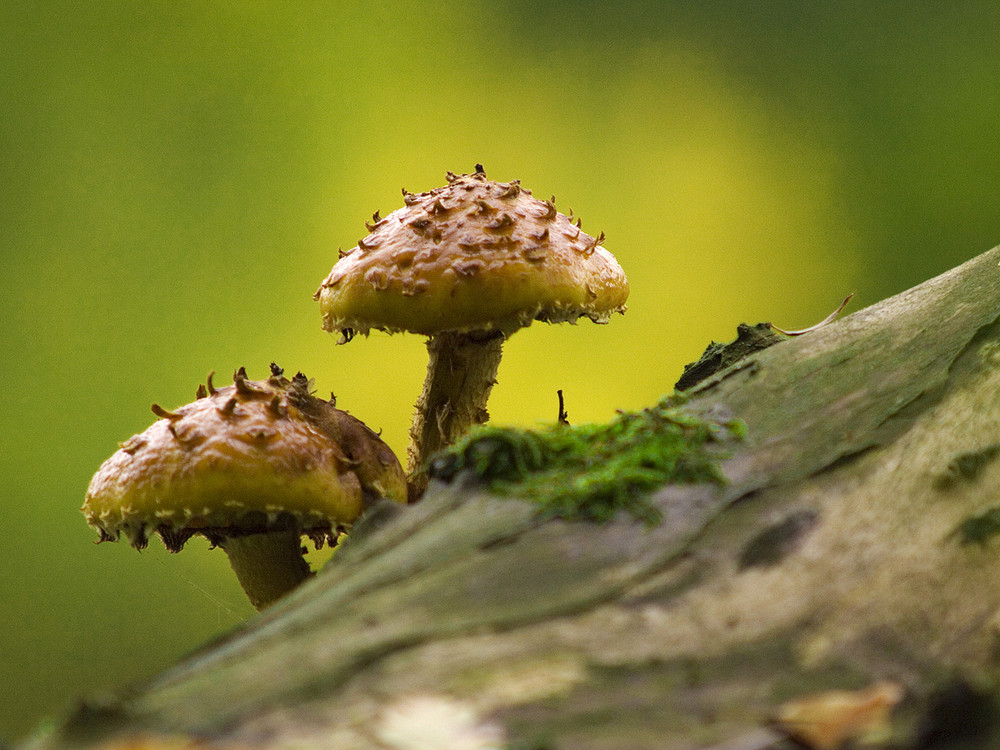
x=247, y=458
x=474, y=255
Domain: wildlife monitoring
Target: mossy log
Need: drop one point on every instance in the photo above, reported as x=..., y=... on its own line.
x=850, y=545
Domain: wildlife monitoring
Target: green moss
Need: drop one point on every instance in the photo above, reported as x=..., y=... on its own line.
x=594, y=471
x=717, y=357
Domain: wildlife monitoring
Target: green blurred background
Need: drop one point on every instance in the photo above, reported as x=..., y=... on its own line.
x=177, y=178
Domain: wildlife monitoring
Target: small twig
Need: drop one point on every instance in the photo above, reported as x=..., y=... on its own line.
x=826, y=321
x=563, y=415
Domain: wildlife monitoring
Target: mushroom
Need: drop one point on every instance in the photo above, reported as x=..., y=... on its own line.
x=253, y=467
x=467, y=265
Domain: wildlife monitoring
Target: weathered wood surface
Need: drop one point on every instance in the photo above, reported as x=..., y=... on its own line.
x=830, y=559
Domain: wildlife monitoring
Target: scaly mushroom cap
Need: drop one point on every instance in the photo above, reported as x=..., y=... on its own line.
x=247, y=458
x=472, y=255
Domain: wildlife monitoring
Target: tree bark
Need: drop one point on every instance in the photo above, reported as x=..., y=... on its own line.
x=851, y=545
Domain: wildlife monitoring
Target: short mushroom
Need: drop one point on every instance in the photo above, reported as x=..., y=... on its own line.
x=253, y=467
x=467, y=265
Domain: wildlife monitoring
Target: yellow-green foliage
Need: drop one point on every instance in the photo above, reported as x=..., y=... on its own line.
x=594, y=471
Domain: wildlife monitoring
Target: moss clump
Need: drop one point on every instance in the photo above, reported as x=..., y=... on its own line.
x=594, y=471
x=717, y=357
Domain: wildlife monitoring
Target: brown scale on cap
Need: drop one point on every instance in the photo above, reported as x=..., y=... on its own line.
x=243, y=461
x=411, y=272
x=467, y=264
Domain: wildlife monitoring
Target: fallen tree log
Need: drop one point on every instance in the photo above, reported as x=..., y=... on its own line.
x=850, y=548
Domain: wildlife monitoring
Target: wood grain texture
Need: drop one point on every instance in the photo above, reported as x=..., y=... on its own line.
x=832, y=559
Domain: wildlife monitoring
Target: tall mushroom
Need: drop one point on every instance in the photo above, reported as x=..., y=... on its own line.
x=253, y=467
x=467, y=265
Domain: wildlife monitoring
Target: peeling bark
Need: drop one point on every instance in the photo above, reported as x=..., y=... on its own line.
x=851, y=545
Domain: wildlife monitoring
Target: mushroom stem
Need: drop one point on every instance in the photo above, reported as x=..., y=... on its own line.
x=461, y=372
x=268, y=565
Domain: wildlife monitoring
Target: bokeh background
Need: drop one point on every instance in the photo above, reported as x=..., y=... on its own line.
x=177, y=177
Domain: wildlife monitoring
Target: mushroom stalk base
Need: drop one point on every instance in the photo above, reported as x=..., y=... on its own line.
x=268, y=566
x=461, y=373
